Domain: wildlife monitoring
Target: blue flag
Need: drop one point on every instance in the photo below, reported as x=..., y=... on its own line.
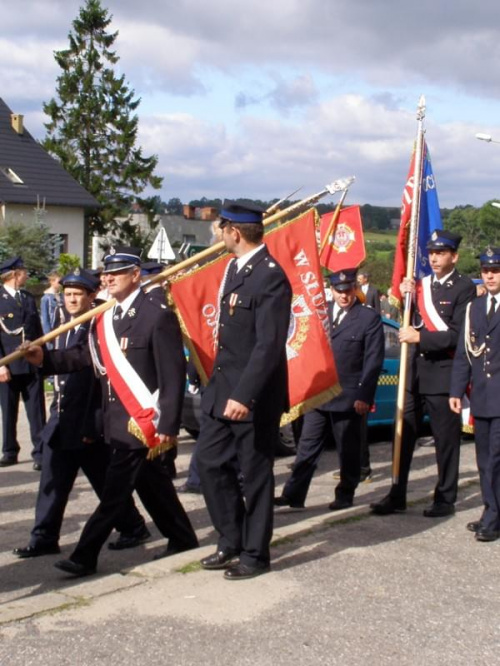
x=430, y=216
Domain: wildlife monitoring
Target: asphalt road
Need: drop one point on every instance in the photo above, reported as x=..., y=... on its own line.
x=345, y=588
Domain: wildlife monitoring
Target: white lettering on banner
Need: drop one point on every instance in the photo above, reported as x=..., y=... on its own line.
x=313, y=288
x=301, y=259
x=209, y=312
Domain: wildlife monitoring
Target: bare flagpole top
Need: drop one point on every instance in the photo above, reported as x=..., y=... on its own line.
x=421, y=108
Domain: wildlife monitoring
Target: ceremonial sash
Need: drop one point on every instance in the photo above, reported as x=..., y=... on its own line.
x=430, y=316
x=139, y=403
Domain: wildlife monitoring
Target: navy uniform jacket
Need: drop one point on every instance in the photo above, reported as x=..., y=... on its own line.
x=251, y=366
x=434, y=354
x=155, y=351
x=484, y=373
x=16, y=316
x=75, y=411
x=358, y=348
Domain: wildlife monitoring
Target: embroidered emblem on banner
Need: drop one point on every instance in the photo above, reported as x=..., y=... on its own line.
x=298, y=327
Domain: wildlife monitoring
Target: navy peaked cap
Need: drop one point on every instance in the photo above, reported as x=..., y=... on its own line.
x=81, y=278
x=11, y=264
x=241, y=213
x=121, y=257
x=343, y=280
x=441, y=239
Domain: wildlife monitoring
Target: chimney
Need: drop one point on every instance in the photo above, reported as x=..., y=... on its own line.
x=16, y=120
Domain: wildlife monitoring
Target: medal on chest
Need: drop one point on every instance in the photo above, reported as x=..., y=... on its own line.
x=233, y=299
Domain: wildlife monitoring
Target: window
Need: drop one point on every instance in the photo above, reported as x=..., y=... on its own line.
x=11, y=175
x=188, y=238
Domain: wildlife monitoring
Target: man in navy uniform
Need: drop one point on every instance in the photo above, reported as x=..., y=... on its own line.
x=357, y=339
x=142, y=378
x=441, y=300
x=477, y=362
x=245, y=397
x=19, y=321
x=72, y=437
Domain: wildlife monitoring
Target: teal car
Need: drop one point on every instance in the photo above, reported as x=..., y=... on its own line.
x=384, y=408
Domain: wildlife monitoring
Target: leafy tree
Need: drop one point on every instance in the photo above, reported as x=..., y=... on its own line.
x=93, y=125
x=33, y=242
x=67, y=263
x=489, y=223
x=174, y=206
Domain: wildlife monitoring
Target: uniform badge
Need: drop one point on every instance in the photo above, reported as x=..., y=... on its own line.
x=76, y=271
x=4, y=296
x=233, y=299
x=124, y=344
x=342, y=277
x=112, y=251
x=489, y=252
x=434, y=236
x=131, y=312
x=10, y=315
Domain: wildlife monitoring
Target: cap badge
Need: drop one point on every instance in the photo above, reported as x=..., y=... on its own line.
x=434, y=235
x=112, y=251
x=342, y=276
x=77, y=271
x=489, y=252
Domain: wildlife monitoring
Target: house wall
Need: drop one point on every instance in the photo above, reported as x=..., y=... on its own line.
x=64, y=220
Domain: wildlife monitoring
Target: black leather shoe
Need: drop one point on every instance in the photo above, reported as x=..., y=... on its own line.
x=188, y=488
x=284, y=501
x=487, y=535
x=219, y=560
x=130, y=541
x=36, y=551
x=243, y=571
x=439, y=511
x=37, y=467
x=7, y=462
x=366, y=476
x=173, y=549
x=339, y=504
x=387, y=506
x=74, y=568
x=474, y=526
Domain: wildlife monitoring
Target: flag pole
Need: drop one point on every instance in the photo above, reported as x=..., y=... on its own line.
x=333, y=222
x=408, y=301
x=332, y=188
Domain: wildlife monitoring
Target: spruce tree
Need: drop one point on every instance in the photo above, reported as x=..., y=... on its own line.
x=93, y=124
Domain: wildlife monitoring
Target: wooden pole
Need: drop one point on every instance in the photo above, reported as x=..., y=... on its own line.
x=408, y=303
x=336, y=186
x=333, y=223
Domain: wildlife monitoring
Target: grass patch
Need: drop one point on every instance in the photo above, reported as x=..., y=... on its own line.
x=189, y=568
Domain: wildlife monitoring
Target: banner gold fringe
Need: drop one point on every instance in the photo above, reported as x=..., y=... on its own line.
x=134, y=430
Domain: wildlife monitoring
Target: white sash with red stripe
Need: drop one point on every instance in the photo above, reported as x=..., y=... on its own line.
x=139, y=402
x=430, y=316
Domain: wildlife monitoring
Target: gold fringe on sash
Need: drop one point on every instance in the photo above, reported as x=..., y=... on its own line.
x=134, y=430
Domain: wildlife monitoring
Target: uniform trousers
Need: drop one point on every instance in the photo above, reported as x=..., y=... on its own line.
x=60, y=468
x=487, y=436
x=129, y=470
x=240, y=506
x=446, y=427
x=347, y=430
x=29, y=387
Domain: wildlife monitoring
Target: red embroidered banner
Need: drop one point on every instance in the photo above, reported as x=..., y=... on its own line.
x=311, y=367
x=346, y=247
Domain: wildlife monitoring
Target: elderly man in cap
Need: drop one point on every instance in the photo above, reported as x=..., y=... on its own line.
x=245, y=397
x=19, y=321
x=136, y=349
x=441, y=299
x=477, y=363
x=357, y=340
x=72, y=437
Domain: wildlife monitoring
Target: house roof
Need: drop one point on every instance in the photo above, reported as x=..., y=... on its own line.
x=40, y=174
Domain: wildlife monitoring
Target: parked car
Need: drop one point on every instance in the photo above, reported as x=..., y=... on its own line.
x=382, y=413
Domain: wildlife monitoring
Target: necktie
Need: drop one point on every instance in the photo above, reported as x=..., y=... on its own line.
x=232, y=271
x=70, y=340
x=435, y=285
x=491, y=311
x=117, y=316
x=18, y=298
x=336, y=321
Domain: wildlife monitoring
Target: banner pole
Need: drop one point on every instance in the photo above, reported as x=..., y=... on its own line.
x=408, y=302
x=336, y=186
x=333, y=222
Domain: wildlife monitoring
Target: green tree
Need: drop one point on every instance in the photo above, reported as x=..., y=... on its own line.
x=33, y=242
x=93, y=125
x=67, y=263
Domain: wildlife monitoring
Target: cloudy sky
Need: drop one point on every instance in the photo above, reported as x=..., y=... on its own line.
x=257, y=98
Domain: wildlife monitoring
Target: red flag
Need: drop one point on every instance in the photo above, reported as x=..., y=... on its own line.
x=399, y=270
x=347, y=247
x=312, y=375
